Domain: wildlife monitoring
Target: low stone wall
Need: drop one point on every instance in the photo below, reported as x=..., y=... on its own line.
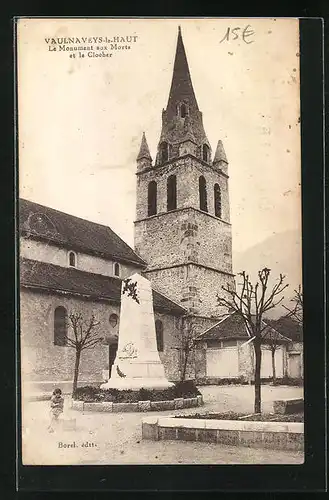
x=246, y=381
x=288, y=406
x=274, y=435
x=140, y=406
x=221, y=381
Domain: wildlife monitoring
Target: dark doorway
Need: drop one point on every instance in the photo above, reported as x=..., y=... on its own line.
x=112, y=353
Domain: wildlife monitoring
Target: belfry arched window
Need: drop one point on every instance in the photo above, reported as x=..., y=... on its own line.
x=159, y=335
x=152, y=198
x=171, y=193
x=218, y=201
x=205, y=152
x=164, y=151
x=203, y=194
x=60, y=326
x=183, y=110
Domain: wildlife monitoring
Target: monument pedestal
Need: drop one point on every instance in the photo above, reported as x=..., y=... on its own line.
x=135, y=384
x=137, y=364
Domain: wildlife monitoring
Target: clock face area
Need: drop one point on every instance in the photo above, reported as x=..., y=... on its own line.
x=41, y=224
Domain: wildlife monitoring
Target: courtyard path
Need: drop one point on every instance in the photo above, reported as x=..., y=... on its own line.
x=112, y=438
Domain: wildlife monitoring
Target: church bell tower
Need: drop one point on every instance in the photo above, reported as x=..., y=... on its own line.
x=182, y=227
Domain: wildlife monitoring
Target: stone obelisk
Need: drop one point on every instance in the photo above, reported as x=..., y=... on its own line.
x=137, y=364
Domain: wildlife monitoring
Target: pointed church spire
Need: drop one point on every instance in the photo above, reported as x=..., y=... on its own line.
x=144, y=151
x=220, y=154
x=181, y=84
x=181, y=120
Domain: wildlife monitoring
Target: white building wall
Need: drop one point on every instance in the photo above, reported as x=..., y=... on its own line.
x=266, y=366
x=223, y=362
x=43, y=252
x=239, y=361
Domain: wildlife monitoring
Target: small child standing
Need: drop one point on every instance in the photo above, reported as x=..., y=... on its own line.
x=56, y=408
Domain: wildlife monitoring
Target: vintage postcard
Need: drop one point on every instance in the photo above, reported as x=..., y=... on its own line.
x=161, y=298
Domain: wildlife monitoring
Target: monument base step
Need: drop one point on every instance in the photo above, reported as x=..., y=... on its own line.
x=125, y=384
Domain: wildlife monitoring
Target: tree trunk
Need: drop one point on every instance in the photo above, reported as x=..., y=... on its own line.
x=273, y=367
x=258, y=360
x=76, y=370
x=183, y=374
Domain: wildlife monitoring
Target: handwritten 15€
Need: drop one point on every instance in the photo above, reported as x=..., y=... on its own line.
x=236, y=33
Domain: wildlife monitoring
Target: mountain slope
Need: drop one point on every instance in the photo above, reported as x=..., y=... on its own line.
x=282, y=254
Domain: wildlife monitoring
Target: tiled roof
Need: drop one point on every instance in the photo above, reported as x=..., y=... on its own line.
x=233, y=327
x=45, y=276
x=71, y=232
x=288, y=327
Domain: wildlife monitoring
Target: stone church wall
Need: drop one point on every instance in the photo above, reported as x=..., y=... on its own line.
x=42, y=361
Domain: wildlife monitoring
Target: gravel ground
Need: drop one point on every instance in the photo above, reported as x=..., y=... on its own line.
x=105, y=438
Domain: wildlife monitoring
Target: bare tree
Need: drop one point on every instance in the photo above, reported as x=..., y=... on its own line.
x=187, y=334
x=85, y=336
x=296, y=311
x=273, y=339
x=251, y=302
x=187, y=345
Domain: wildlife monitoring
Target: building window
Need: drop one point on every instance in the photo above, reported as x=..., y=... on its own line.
x=116, y=269
x=60, y=326
x=72, y=259
x=164, y=151
x=205, y=153
x=218, y=200
x=171, y=193
x=214, y=344
x=229, y=343
x=159, y=334
x=183, y=110
x=152, y=198
x=113, y=319
x=203, y=194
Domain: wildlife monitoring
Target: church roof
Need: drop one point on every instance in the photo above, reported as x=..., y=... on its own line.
x=144, y=151
x=51, y=278
x=233, y=327
x=71, y=232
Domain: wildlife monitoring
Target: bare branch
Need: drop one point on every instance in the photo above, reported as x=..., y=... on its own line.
x=296, y=312
x=252, y=301
x=91, y=343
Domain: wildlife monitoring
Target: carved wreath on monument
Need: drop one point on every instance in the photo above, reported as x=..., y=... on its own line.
x=130, y=288
x=129, y=350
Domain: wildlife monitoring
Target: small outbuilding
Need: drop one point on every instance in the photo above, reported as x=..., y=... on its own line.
x=225, y=352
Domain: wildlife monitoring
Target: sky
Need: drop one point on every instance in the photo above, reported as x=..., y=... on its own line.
x=81, y=119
